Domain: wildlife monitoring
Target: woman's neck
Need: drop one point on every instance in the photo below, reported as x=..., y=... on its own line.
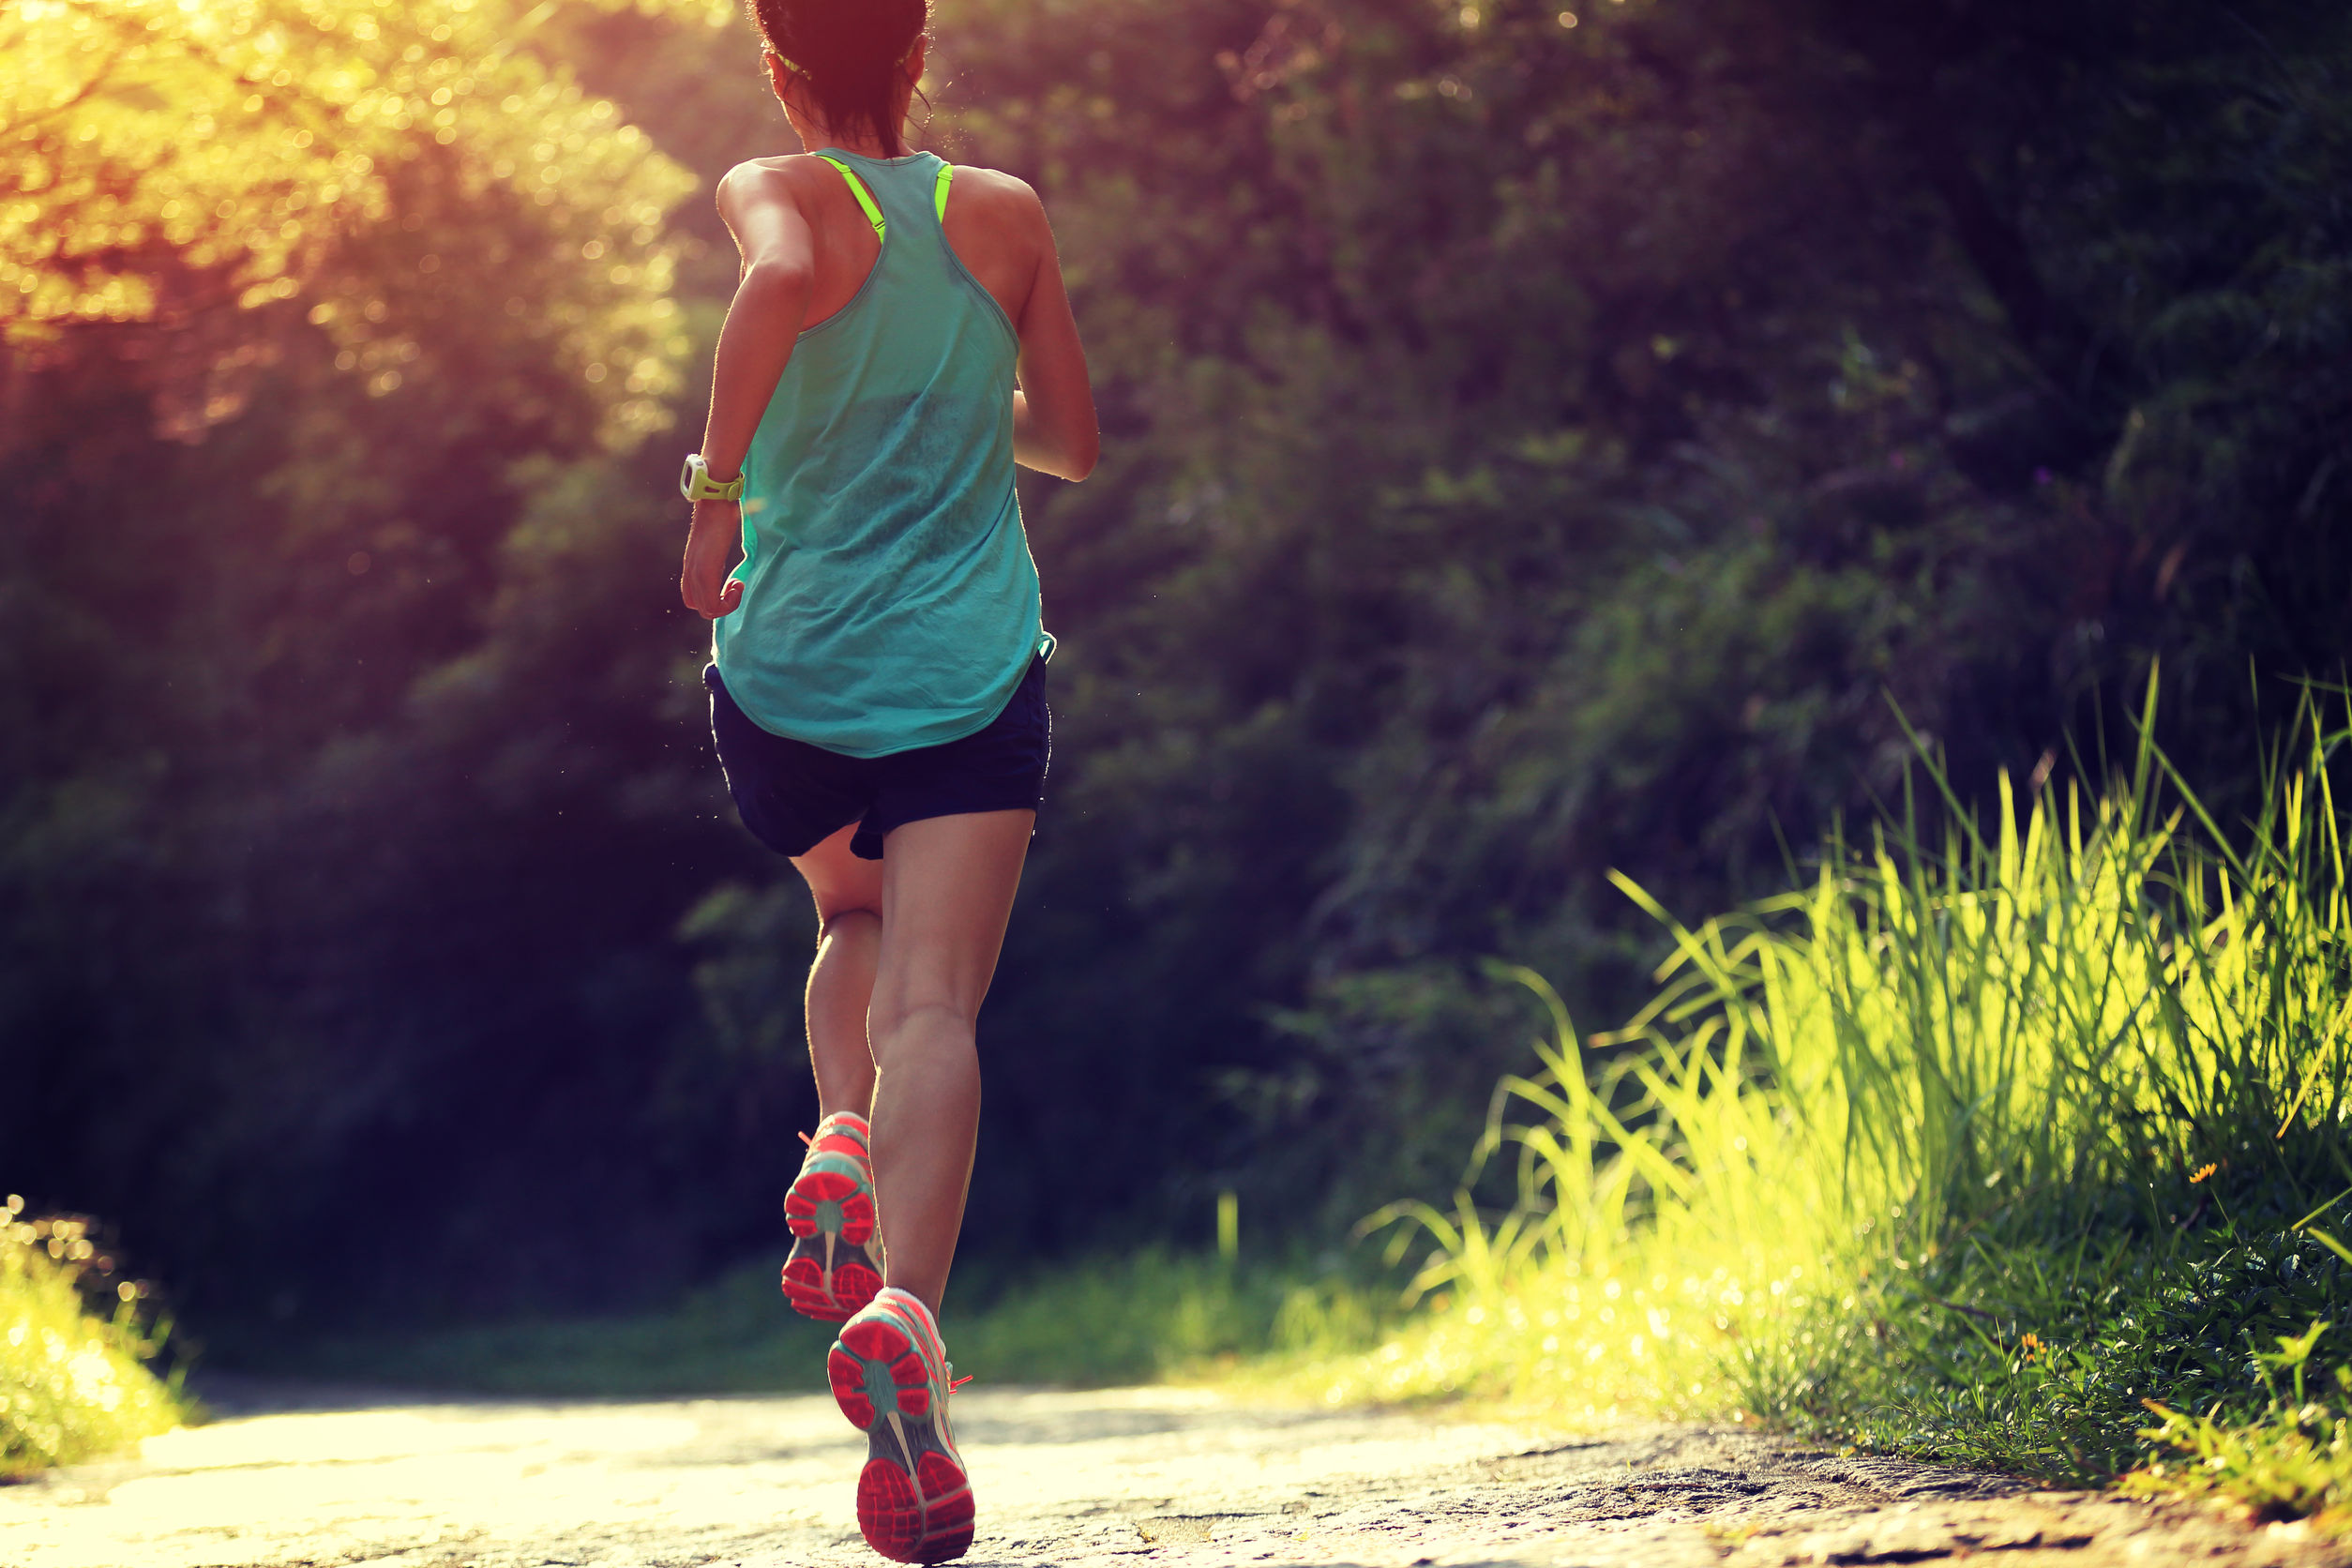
x=865, y=144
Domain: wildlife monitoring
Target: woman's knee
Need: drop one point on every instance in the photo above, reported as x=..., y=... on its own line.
x=928, y=1023
x=850, y=921
x=839, y=882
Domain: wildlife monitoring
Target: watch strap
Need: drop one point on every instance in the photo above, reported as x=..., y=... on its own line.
x=696, y=484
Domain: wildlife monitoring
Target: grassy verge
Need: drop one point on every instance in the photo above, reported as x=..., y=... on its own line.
x=2019, y=1148
x=1156, y=1315
x=74, y=1380
x=1112, y=1318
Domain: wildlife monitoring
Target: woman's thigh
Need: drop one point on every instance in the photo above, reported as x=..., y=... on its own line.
x=837, y=880
x=947, y=892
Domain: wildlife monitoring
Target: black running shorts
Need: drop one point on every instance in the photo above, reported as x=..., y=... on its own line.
x=794, y=795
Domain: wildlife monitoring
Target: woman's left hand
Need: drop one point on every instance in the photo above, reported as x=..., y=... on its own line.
x=709, y=555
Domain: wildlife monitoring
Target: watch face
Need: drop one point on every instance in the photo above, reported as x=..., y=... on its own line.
x=687, y=475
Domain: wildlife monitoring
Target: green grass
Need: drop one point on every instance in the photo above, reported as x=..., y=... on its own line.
x=2292, y=1461
x=1128, y=1318
x=1976, y=1147
x=74, y=1382
x=1156, y=1315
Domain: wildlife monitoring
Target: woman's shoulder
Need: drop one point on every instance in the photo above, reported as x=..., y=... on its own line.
x=992, y=207
x=783, y=173
x=997, y=187
x=796, y=183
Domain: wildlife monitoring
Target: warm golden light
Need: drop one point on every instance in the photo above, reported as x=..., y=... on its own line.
x=175, y=156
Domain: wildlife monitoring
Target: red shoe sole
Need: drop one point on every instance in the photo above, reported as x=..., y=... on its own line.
x=854, y=1286
x=854, y=1282
x=919, y=1516
x=813, y=1187
x=900, y=1525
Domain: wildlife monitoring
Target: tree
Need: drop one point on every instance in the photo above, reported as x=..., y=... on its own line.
x=166, y=162
x=307, y=306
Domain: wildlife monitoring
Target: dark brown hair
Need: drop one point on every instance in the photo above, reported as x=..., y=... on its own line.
x=850, y=53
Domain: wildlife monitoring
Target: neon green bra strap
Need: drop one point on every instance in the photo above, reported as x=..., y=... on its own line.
x=857, y=189
x=873, y=213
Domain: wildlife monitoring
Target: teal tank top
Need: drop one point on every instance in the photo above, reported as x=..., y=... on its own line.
x=889, y=598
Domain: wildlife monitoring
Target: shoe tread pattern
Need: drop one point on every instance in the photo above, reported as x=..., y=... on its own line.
x=832, y=1271
x=913, y=1498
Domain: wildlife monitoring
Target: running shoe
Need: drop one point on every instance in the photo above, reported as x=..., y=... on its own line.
x=891, y=1377
x=832, y=1271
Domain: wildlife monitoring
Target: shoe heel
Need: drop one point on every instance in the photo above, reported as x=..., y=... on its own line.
x=876, y=1371
x=830, y=1201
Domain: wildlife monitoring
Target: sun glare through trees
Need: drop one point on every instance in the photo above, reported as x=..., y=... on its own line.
x=390, y=171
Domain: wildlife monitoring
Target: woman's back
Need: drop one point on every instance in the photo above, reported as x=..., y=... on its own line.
x=889, y=599
x=987, y=222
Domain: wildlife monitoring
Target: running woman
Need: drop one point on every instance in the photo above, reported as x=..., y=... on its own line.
x=900, y=340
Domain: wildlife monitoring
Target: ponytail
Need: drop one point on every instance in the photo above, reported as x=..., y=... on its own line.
x=852, y=54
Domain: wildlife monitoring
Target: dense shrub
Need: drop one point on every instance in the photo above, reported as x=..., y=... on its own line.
x=74, y=1378
x=1984, y=1145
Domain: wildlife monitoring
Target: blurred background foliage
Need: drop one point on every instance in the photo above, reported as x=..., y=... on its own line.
x=1539, y=441
x=73, y=1376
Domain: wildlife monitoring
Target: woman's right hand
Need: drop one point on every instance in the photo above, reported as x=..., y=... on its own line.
x=709, y=555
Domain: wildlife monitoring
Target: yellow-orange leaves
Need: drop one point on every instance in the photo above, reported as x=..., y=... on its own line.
x=164, y=157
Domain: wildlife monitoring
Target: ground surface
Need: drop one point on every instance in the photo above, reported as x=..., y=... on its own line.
x=1151, y=1476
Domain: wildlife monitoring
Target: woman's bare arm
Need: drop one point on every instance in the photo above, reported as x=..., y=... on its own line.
x=770, y=303
x=1054, y=430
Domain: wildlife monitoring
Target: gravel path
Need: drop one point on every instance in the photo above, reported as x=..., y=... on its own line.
x=1130, y=1477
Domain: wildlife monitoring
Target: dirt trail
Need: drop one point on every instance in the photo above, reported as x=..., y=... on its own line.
x=1140, y=1476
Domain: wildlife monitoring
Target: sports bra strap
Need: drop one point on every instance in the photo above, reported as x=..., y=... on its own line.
x=873, y=213
x=946, y=173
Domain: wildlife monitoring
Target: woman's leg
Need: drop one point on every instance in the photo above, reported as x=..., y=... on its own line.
x=947, y=892
x=848, y=894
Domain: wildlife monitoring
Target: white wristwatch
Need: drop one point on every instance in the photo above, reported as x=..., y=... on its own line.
x=696, y=484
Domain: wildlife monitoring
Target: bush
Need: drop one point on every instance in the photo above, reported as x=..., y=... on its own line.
x=73, y=1384
x=1972, y=1149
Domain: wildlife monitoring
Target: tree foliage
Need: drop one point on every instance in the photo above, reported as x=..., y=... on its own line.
x=1569, y=435
x=167, y=160
x=1540, y=440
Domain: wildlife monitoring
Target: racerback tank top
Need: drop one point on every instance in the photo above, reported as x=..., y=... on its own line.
x=889, y=599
